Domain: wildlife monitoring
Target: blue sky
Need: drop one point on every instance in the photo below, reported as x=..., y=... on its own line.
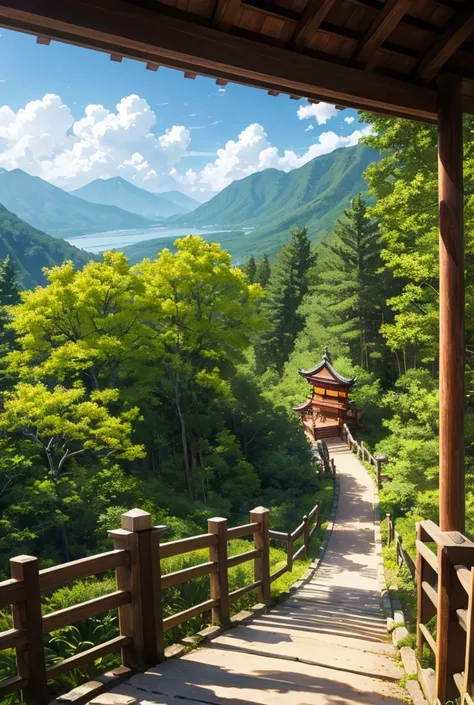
x=167, y=132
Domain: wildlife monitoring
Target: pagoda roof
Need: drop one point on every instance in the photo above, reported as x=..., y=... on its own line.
x=326, y=363
x=304, y=406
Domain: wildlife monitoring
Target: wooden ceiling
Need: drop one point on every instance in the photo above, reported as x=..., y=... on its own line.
x=381, y=55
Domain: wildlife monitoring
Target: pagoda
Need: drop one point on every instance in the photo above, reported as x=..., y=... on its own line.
x=328, y=407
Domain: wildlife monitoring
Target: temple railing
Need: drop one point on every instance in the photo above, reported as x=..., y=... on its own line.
x=445, y=615
x=140, y=580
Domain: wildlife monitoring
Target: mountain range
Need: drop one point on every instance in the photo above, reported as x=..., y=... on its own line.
x=267, y=204
x=57, y=212
x=122, y=194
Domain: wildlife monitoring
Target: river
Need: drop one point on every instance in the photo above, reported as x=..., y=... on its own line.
x=117, y=239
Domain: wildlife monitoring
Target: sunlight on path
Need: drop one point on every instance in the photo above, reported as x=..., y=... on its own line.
x=327, y=645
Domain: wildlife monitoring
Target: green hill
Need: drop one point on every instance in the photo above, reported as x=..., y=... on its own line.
x=121, y=193
x=59, y=213
x=271, y=201
x=30, y=250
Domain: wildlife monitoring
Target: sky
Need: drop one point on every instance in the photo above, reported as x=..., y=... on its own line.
x=71, y=115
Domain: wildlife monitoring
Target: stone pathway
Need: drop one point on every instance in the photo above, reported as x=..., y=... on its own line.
x=327, y=645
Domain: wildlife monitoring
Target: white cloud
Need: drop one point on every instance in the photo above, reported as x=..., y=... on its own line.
x=252, y=152
x=310, y=127
x=221, y=90
x=44, y=139
x=349, y=120
x=322, y=112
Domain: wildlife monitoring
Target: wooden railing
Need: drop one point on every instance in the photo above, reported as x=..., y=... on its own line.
x=445, y=616
x=363, y=453
x=403, y=557
x=137, y=561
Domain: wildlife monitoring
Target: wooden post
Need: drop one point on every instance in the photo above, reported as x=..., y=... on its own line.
x=306, y=536
x=333, y=467
x=289, y=555
x=451, y=303
x=27, y=617
x=219, y=580
x=142, y=619
x=318, y=511
x=262, y=562
x=389, y=529
x=469, y=658
x=442, y=625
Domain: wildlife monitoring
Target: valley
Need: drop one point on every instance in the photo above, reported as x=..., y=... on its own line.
x=251, y=216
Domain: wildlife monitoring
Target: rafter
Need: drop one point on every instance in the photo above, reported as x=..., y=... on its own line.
x=380, y=29
x=314, y=14
x=225, y=12
x=457, y=31
x=154, y=36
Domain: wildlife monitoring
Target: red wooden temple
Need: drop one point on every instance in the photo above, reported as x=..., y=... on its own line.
x=328, y=408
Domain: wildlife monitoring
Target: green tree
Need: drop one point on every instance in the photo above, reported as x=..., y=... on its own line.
x=9, y=289
x=350, y=295
x=203, y=310
x=250, y=269
x=286, y=289
x=63, y=424
x=263, y=271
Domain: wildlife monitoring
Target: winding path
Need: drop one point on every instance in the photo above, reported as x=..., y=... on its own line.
x=326, y=645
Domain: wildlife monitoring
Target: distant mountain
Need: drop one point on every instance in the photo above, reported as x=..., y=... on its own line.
x=59, y=213
x=181, y=200
x=271, y=201
x=121, y=193
x=30, y=250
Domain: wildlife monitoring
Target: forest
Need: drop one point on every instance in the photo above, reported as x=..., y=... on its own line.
x=169, y=385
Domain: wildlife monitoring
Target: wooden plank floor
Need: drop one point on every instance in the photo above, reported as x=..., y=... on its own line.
x=327, y=645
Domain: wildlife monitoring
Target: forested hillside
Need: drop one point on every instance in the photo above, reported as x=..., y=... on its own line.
x=270, y=202
x=30, y=250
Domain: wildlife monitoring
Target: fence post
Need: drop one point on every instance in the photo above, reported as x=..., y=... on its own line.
x=318, y=514
x=27, y=617
x=306, y=536
x=289, y=558
x=389, y=530
x=219, y=580
x=333, y=467
x=262, y=562
x=142, y=618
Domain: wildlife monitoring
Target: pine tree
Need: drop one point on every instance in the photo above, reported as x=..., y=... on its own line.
x=251, y=269
x=9, y=290
x=350, y=293
x=263, y=272
x=287, y=286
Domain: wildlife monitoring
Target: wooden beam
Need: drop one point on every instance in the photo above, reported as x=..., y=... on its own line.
x=273, y=93
x=313, y=15
x=383, y=25
x=190, y=74
x=45, y=41
x=152, y=67
x=221, y=82
x=152, y=36
x=117, y=58
x=225, y=12
x=451, y=304
x=457, y=31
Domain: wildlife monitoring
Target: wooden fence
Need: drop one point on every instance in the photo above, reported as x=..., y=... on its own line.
x=136, y=559
x=403, y=557
x=363, y=453
x=445, y=615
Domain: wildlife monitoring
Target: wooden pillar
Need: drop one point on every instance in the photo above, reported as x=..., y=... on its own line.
x=451, y=303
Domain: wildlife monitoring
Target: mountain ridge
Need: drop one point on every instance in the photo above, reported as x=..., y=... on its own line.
x=58, y=213
x=121, y=193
